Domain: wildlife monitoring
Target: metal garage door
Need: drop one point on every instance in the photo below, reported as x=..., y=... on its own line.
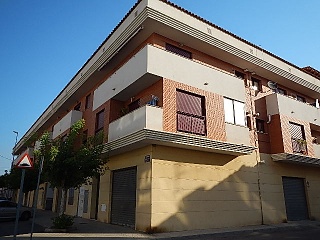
x=295, y=198
x=123, y=199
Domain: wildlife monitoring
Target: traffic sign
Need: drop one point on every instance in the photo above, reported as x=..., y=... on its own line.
x=24, y=162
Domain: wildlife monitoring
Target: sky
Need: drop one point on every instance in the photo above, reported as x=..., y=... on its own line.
x=43, y=43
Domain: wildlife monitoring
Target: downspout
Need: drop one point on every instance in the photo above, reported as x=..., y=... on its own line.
x=255, y=134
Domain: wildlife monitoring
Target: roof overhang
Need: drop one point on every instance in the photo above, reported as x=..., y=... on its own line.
x=296, y=159
x=145, y=137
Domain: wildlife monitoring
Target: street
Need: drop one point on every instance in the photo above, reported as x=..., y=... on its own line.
x=7, y=227
x=91, y=229
x=300, y=232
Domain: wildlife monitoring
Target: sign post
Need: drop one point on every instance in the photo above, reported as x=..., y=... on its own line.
x=23, y=161
x=36, y=197
x=19, y=204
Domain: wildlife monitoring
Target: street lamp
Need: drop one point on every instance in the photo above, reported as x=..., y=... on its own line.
x=16, y=137
x=15, y=144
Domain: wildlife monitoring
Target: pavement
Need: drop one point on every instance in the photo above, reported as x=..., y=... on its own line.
x=92, y=229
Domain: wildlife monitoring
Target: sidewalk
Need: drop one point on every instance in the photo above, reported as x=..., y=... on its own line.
x=92, y=229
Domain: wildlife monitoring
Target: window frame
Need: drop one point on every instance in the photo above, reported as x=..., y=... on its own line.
x=192, y=116
x=87, y=102
x=98, y=128
x=258, y=84
x=234, y=112
x=239, y=74
x=179, y=51
x=260, y=128
x=70, y=196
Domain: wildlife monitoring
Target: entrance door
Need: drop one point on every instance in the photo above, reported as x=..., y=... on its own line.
x=295, y=198
x=80, y=202
x=123, y=199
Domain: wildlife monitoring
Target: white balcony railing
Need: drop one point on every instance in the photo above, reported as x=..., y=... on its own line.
x=284, y=105
x=149, y=117
x=66, y=122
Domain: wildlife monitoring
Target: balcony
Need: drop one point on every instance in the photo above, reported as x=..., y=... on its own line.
x=66, y=122
x=149, y=117
x=284, y=105
x=151, y=64
x=144, y=127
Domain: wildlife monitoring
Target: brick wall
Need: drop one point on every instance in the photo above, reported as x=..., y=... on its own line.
x=213, y=105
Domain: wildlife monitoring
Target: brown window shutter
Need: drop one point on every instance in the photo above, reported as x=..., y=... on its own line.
x=188, y=103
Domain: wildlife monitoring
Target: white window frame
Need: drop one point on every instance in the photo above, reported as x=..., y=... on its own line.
x=234, y=111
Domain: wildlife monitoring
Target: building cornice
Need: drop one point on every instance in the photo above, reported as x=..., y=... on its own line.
x=146, y=137
x=296, y=159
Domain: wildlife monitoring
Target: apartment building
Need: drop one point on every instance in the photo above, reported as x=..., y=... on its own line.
x=205, y=129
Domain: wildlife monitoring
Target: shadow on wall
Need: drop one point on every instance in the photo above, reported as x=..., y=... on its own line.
x=202, y=193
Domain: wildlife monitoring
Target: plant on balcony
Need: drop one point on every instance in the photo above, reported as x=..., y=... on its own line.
x=69, y=163
x=302, y=142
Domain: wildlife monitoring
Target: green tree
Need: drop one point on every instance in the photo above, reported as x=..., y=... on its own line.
x=68, y=162
x=12, y=180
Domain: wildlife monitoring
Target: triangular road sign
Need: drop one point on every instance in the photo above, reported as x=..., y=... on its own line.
x=25, y=162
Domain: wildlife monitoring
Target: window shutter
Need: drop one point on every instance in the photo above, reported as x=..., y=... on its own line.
x=296, y=131
x=190, y=113
x=198, y=126
x=188, y=103
x=184, y=123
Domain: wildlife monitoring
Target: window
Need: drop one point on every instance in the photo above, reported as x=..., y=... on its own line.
x=190, y=113
x=71, y=196
x=299, y=144
x=234, y=112
x=87, y=105
x=282, y=91
x=256, y=84
x=77, y=107
x=301, y=99
x=99, y=121
x=260, y=126
x=85, y=201
x=239, y=74
x=178, y=51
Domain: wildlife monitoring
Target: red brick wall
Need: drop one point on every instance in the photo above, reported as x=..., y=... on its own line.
x=213, y=103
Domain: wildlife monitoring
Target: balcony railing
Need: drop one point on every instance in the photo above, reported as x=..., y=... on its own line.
x=147, y=116
x=66, y=122
x=299, y=146
x=284, y=105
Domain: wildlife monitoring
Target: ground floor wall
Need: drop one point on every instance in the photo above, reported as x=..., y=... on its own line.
x=180, y=189
x=273, y=200
x=200, y=190
x=136, y=158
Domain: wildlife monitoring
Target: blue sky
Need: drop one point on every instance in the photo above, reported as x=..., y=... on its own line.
x=44, y=43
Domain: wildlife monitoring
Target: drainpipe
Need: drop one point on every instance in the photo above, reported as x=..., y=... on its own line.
x=255, y=134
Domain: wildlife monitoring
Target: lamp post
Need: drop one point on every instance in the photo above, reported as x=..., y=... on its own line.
x=15, y=144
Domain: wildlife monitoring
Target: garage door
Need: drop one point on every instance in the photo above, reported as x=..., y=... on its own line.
x=123, y=199
x=295, y=198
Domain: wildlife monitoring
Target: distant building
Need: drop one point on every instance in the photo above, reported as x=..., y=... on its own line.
x=205, y=129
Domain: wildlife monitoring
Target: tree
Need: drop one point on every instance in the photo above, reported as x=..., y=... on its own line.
x=68, y=162
x=12, y=180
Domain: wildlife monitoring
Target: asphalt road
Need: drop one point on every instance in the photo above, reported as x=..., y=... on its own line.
x=7, y=227
x=301, y=233
x=93, y=230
